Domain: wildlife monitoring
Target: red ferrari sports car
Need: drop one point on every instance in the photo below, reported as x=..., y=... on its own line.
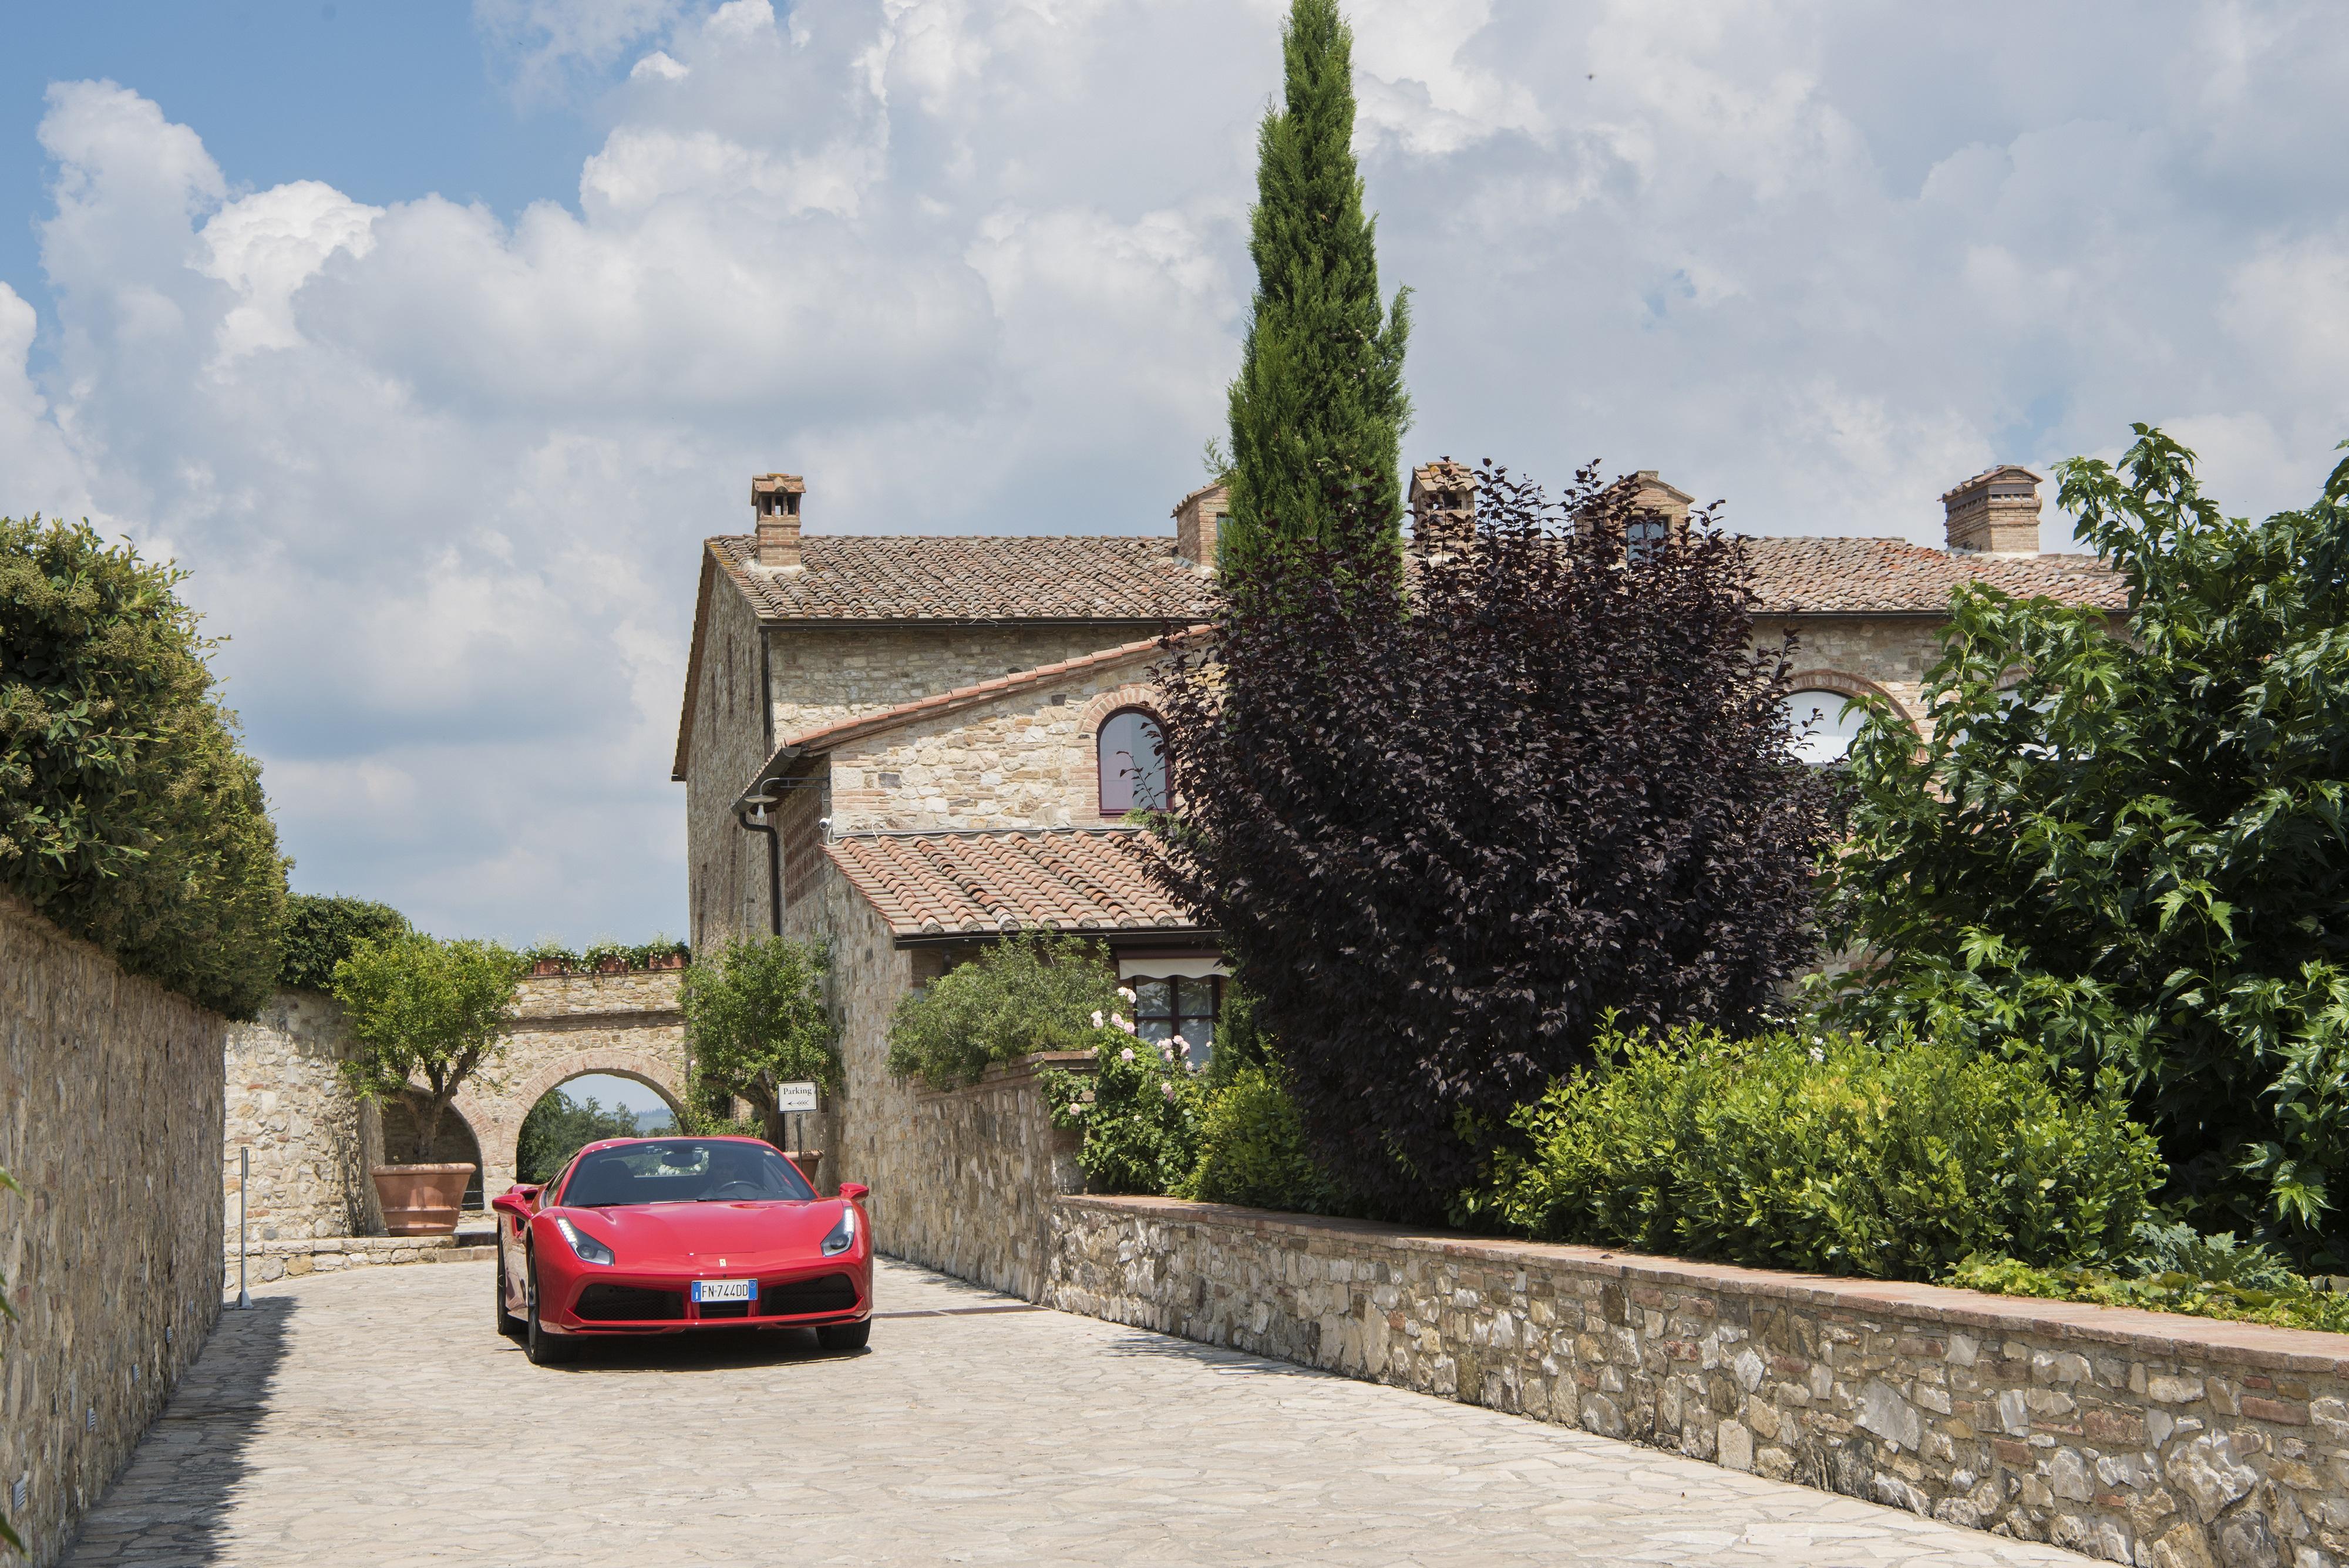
x=660, y=1235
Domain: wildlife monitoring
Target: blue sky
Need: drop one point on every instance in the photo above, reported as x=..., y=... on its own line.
x=432, y=339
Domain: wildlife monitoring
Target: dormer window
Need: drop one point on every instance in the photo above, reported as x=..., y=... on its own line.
x=1644, y=536
x=1131, y=751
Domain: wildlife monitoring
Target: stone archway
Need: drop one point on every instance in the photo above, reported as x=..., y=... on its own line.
x=626, y=1025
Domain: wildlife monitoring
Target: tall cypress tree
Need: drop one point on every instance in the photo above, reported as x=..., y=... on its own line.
x=1319, y=400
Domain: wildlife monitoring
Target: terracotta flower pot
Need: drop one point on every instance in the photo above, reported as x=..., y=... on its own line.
x=420, y=1200
x=546, y=966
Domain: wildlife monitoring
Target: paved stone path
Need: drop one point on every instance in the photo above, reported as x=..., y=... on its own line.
x=374, y=1420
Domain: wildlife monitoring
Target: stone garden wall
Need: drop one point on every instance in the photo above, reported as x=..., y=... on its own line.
x=2134, y=1437
x=310, y=1140
x=962, y=1180
x=110, y=1118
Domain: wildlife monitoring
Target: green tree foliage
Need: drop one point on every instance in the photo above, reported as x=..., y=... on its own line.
x=559, y=1127
x=2125, y=846
x=320, y=933
x=755, y=1019
x=428, y=1012
x=1830, y=1154
x=1319, y=396
x=1027, y=993
x=129, y=813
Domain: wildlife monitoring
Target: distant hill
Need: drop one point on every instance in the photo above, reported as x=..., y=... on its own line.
x=659, y=1119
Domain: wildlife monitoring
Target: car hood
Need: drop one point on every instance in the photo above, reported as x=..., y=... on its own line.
x=745, y=1235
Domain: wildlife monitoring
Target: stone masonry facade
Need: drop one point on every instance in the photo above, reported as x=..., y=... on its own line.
x=110, y=1120
x=2132, y=1437
x=309, y=1139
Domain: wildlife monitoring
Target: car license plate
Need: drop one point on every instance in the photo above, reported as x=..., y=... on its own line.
x=725, y=1290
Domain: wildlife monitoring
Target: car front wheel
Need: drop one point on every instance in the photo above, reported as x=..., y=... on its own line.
x=844, y=1335
x=544, y=1349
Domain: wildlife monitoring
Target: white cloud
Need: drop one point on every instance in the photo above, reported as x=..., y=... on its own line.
x=440, y=471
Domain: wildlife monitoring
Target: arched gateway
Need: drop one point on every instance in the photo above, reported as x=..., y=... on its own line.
x=628, y=1024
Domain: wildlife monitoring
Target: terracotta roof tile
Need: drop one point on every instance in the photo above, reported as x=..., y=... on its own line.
x=1083, y=880
x=1798, y=576
x=1139, y=577
x=906, y=576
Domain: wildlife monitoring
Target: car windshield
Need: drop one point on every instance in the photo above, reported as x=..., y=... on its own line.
x=684, y=1170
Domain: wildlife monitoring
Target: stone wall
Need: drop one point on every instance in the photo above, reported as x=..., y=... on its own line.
x=1889, y=654
x=110, y=1118
x=962, y=1180
x=630, y=1025
x=724, y=744
x=310, y=1139
x=2135, y=1437
x=1024, y=760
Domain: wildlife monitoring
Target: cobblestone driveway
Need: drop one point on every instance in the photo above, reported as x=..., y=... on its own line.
x=374, y=1420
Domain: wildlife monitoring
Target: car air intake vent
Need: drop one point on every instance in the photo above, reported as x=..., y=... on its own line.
x=628, y=1303
x=792, y=1298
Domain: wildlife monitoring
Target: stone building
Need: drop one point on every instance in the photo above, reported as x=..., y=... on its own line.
x=908, y=744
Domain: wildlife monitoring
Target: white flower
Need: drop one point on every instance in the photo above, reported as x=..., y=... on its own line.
x=1126, y=1055
x=1119, y=1019
x=1097, y=1020
x=1818, y=1055
x=1126, y=991
x=1076, y=1109
x=1168, y=1090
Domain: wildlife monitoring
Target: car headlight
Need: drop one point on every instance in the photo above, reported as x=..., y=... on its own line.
x=843, y=1235
x=587, y=1249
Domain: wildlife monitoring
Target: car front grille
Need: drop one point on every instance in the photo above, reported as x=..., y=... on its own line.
x=794, y=1298
x=628, y=1303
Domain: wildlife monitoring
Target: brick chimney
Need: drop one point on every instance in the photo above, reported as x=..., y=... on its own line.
x=1198, y=518
x=1995, y=512
x=1443, y=507
x=775, y=503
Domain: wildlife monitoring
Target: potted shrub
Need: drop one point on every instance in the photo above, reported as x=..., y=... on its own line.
x=427, y=1016
x=606, y=958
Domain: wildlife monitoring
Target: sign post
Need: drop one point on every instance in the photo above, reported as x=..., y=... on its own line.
x=796, y=1099
x=244, y=1180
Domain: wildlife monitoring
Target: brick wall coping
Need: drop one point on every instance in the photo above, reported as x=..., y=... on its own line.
x=2169, y=1336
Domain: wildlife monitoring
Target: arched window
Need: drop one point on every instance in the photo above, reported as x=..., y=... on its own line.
x=1822, y=732
x=1131, y=751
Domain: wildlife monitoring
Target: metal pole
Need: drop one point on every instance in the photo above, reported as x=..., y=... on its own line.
x=244, y=1180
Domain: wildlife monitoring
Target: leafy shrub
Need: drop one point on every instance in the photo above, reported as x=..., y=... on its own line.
x=1027, y=993
x=422, y=1009
x=321, y=933
x=2132, y=857
x=129, y=813
x=1252, y=1151
x=1830, y=1154
x=2177, y=1248
x=755, y=1019
x=2291, y=1302
x=1445, y=832
x=1138, y=1110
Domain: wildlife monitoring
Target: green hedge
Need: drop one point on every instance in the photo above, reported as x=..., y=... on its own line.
x=320, y=933
x=1830, y=1154
x=1252, y=1151
x=129, y=813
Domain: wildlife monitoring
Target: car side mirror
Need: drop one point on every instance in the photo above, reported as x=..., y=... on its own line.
x=853, y=1192
x=514, y=1203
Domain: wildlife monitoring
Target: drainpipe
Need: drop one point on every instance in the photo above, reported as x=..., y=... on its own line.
x=767, y=800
